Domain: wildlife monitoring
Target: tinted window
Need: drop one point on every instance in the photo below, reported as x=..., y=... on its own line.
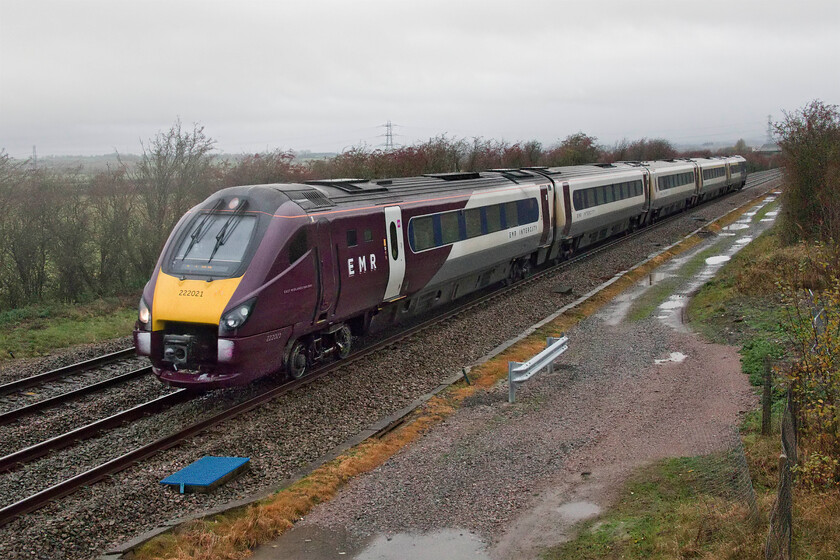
x=368, y=236
x=351, y=238
x=422, y=233
x=511, y=215
x=529, y=211
x=298, y=246
x=494, y=218
x=215, y=245
x=449, y=227
x=472, y=220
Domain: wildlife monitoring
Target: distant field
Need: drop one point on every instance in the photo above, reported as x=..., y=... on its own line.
x=94, y=164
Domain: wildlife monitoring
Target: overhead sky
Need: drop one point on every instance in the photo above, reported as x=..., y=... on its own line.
x=93, y=76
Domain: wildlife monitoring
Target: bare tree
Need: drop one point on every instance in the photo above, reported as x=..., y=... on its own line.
x=174, y=173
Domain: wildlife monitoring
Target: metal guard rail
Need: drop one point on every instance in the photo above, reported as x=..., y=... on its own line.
x=519, y=372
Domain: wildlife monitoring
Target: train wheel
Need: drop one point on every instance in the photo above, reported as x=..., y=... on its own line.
x=514, y=273
x=298, y=363
x=343, y=341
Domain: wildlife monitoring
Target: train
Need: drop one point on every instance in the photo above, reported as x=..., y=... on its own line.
x=272, y=279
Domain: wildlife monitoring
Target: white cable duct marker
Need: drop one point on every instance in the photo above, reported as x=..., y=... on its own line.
x=520, y=372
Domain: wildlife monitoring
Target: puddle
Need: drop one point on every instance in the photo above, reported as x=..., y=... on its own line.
x=578, y=511
x=447, y=543
x=319, y=543
x=727, y=242
x=673, y=302
x=676, y=357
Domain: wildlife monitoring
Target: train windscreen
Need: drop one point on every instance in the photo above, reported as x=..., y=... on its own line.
x=215, y=245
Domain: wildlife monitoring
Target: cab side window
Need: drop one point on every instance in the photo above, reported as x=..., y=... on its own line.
x=298, y=246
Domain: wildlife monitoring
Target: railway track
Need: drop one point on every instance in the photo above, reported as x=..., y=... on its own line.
x=23, y=411
x=62, y=372
x=117, y=464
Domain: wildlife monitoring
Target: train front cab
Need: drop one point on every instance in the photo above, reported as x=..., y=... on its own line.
x=231, y=283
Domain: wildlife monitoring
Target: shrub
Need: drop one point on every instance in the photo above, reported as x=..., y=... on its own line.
x=814, y=377
x=810, y=142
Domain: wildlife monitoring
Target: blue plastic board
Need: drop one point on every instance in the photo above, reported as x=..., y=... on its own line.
x=204, y=472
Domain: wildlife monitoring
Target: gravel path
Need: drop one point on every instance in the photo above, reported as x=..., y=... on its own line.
x=292, y=431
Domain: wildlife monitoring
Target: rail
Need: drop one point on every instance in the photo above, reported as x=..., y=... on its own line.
x=520, y=372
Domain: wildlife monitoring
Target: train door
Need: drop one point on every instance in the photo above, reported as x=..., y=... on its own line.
x=546, y=213
x=396, y=251
x=326, y=269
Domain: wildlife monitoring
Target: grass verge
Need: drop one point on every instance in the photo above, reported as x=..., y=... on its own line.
x=38, y=329
x=685, y=508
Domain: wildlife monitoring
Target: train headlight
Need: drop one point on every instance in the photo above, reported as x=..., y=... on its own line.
x=237, y=316
x=143, y=313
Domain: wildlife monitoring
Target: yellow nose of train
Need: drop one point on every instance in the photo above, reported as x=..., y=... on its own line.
x=190, y=301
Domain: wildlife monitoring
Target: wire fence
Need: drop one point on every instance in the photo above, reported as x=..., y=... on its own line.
x=780, y=535
x=725, y=474
x=778, y=545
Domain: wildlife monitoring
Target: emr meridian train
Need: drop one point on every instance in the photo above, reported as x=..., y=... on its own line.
x=273, y=278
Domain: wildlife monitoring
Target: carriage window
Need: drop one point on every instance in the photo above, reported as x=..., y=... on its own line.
x=494, y=218
x=449, y=228
x=368, y=236
x=351, y=238
x=422, y=233
x=511, y=215
x=472, y=218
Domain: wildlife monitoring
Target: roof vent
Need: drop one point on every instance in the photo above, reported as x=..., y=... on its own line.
x=310, y=198
x=456, y=176
x=351, y=186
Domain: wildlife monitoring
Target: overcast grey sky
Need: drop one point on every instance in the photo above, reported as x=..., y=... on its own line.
x=91, y=76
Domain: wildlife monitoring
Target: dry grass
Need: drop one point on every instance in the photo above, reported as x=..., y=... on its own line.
x=232, y=535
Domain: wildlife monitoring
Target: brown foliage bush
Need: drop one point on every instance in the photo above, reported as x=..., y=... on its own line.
x=810, y=142
x=813, y=327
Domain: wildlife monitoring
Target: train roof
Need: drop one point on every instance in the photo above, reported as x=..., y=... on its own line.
x=317, y=195
x=341, y=192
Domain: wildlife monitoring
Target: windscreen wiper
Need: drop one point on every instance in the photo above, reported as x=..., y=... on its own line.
x=199, y=231
x=225, y=233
